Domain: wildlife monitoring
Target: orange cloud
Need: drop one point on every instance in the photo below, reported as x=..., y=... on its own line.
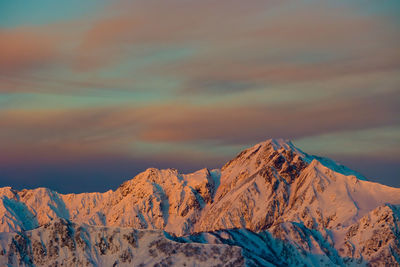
x=24, y=49
x=114, y=128
x=242, y=124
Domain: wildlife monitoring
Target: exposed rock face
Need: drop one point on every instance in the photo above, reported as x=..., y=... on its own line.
x=375, y=238
x=254, y=190
x=62, y=243
x=313, y=210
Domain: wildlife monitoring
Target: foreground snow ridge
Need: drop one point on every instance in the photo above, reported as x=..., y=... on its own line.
x=272, y=205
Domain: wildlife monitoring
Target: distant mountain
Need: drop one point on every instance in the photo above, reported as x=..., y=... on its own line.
x=272, y=205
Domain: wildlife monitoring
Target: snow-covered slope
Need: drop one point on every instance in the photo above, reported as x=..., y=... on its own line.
x=62, y=243
x=274, y=182
x=272, y=188
x=154, y=199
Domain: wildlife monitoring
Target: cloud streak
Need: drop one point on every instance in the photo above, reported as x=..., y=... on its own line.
x=23, y=49
x=194, y=74
x=97, y=128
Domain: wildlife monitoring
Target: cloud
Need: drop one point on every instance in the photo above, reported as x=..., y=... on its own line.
x=254, y=37
x=249, y=123
x=257, y=44
x=24, y=49
x=91, y=130
x=210, y=86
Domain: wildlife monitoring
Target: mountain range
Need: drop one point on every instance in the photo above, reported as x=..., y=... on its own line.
x=272, y=205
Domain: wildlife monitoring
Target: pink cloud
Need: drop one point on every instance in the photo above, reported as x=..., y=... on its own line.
x=24, y=49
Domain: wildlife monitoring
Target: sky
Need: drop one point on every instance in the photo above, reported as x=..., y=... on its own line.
x=93, y=92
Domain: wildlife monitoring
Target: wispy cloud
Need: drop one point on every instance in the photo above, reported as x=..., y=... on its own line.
x=136, y=75
x=22, y=50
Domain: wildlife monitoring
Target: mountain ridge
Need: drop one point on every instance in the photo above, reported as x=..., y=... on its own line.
x=308, y=202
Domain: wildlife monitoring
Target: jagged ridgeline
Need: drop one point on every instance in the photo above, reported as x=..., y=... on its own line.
x=272, y=205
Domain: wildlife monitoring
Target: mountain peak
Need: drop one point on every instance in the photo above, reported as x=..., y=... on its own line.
x=280, y=144
x=271, y=151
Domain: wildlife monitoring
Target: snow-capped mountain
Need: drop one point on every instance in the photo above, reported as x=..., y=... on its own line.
x=279, y=204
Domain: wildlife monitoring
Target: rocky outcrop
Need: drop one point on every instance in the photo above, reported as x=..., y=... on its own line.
x=62, y=243
x=375, y=238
